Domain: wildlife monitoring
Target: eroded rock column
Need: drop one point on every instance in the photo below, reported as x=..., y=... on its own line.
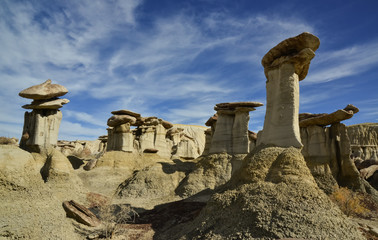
x=231, y=127
x=285, y=65
x=41, y=125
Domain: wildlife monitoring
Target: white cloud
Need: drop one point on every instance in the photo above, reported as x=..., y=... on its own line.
x=350, y=61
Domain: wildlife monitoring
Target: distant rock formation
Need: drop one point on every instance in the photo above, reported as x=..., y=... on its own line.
x=285, y=65
x=229, y=128
x=364, y=150
x=166, y=139
x=41, y=126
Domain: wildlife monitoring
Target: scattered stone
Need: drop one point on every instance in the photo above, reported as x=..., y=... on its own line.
x=42, y=91
x=80, y=213
x=90, y=165
x=150, y=150
x=46, y=104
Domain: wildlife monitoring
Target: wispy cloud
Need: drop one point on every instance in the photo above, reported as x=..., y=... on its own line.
x=350, y=61
x=175, y=67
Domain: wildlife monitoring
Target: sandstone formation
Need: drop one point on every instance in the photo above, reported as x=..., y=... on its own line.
x=82, y=148
x=364, y=147
x=285, y=65
x=166, y=139
x=227, y=142
x=327, y=153
x=273, y=196
x=229, y=127
x=325, y=119
x=41, y=126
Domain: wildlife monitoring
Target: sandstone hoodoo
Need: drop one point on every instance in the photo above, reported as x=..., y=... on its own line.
x=166, y=139
x=273, y=192
x=285, y=65
x=41, y=125
x=230, y=127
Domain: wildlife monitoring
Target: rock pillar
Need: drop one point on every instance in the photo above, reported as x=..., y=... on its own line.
x=230, y=126
x=285, y=65
x=41, y=126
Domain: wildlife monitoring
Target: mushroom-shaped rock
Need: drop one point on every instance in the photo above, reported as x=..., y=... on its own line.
x=297, y=50
x=117, y=120
x=42, y=91
x=47, y=104
x=126, y=112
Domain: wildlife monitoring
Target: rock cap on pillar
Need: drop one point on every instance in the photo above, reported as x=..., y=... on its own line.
x=126, y=112
x=44, y=91
x=47, y=104
x=237, y=105
x=324, y=119
x=298, y=50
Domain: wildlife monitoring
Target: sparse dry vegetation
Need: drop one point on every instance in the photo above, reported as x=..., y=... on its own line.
x=113, y=216
x=8, y=141
x=353, y=203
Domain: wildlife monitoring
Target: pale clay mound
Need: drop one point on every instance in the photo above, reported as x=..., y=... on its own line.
x=31, y=208
x=272, y=196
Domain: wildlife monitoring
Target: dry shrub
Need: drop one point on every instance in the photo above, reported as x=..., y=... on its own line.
x=351, y=203
x=112, y=216
x=7, y=141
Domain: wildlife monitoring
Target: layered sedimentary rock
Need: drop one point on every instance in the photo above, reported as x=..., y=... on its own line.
x=285, y=65
x=324, y=119
x=41, y=126
x=166, y=139
x=229, y=127
x=364, y=150
x=327, y=154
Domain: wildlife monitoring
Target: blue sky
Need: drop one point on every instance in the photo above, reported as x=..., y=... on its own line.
x=177, y=59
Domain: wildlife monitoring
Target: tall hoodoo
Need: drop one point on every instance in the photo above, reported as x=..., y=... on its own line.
x=285, y=65
x=41, y=125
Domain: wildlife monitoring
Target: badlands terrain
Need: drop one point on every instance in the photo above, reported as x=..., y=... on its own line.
x=304, y=176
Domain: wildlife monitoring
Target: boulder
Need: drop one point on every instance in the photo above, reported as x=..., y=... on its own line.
x=80, y=213
x=166, y=124
x=42, y=91
x=117, y=120
x=151, y=150
x=47, y=104
x=291, y=50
